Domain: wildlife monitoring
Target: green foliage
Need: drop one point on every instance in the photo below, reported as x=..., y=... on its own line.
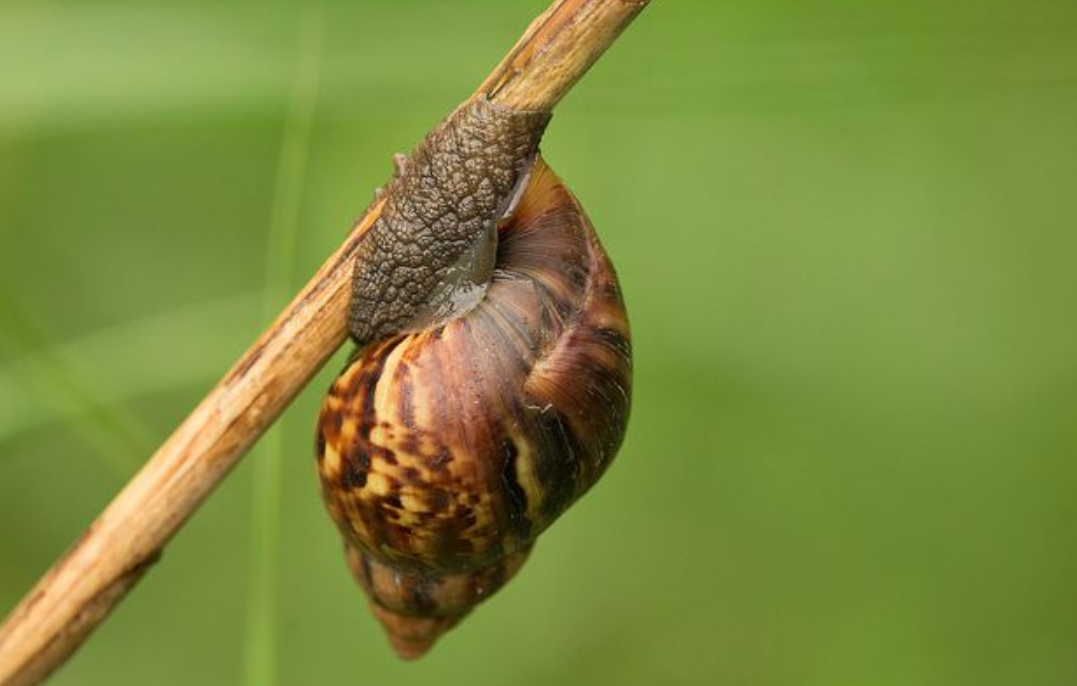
x=845, y=231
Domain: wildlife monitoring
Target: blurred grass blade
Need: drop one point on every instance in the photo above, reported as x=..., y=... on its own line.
x=31, y=399
x=114, y=433
x=260, y=634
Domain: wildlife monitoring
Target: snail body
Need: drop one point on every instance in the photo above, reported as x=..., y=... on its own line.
x=462, y=430
x=430, y=254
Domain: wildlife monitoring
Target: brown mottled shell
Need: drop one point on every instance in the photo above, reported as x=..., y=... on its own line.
x=444, y=453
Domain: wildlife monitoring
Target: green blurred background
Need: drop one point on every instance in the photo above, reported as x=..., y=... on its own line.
x=846, y=234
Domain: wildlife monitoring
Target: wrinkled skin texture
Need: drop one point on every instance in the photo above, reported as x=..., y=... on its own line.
x=428, y=257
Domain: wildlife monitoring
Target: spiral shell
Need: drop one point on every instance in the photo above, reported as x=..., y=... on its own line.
x=444, y=453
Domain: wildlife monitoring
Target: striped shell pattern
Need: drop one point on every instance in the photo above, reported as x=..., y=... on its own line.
x=444, y=453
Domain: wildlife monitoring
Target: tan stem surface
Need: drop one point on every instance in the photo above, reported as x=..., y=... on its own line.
x=83, y=586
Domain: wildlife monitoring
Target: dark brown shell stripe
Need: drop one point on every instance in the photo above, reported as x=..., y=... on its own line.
x=444, y=453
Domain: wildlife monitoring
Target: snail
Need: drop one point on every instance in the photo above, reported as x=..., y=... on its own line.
x=491, y=386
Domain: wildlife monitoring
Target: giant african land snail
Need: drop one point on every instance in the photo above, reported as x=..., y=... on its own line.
x=492, y=386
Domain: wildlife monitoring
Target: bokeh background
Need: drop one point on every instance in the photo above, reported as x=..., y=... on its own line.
x=847, y=233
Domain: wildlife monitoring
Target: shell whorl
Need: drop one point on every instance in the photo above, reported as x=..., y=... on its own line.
x=443, y=453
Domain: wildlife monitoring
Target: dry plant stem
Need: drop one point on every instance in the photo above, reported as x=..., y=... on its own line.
x=85, y=584
x=556, y=50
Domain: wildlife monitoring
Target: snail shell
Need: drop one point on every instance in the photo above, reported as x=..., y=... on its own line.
x=444, y=452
